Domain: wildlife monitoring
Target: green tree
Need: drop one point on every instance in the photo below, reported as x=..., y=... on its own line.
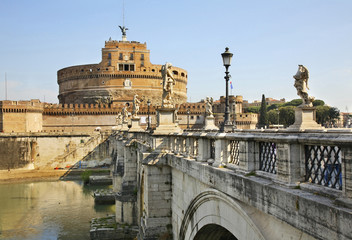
x=287, y=115
x=273, y=116
x=294, y=102
x=253, y=109
x=274, y=106
x=318, y=102
x=263, y=117
x=327, y=116
x=334, y=114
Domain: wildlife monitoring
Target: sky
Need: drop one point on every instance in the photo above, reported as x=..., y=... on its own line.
x=268, y=39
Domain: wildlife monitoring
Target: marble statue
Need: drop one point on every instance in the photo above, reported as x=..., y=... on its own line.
x=301, y=84
x=136, y=103
x=209, y=106
x=125, y=113
x=168, y=82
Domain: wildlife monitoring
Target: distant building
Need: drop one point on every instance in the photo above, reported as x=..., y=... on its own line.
x=21, y=116
x=345, y=120
x=125, y=70
x=91, y=96
x=257, y=103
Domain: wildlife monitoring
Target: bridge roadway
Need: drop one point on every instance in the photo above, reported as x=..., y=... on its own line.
x=243, y=185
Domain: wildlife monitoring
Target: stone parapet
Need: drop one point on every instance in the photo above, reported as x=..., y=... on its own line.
x=266, y=175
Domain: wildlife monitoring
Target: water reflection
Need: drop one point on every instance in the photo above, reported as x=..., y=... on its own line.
x=48, y=210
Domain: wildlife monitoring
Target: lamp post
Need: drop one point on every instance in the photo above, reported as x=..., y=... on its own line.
x=148, y=103
x=188, y=112
x=226, y=57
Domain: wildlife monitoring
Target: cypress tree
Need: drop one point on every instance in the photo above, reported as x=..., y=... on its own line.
x=263, y=116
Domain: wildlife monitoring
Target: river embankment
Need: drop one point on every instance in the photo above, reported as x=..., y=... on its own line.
x=21, y=175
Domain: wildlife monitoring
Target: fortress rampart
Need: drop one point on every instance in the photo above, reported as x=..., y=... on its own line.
x=125, y=70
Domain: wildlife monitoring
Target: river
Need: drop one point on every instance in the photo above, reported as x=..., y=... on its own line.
x=48, y=210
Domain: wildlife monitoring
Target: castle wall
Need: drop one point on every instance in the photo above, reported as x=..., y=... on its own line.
x=125, y=70
x=21, y=116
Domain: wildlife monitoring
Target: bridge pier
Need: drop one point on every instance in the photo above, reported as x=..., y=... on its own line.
x=126, y=198
x=156, y=215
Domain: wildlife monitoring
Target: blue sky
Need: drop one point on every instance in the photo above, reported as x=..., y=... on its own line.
x=268, y=38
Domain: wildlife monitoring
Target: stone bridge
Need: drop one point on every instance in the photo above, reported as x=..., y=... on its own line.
x=244, y=185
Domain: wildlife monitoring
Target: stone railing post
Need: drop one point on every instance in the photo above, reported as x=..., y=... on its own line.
x=202, y=149
x=248, y=156
x=288, y=161
x=222, y=152
x=346, y=153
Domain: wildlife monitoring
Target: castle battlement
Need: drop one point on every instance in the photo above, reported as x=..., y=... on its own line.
x=125, y=70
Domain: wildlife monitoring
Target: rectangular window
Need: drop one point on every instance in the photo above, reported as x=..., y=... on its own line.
x=120, y=67
x=142, y=56
x=126, y=67
x=109, y=63
x=142, y=63
x=131, y=67
x=109, y=55
x=131, y=56
x=120, y=56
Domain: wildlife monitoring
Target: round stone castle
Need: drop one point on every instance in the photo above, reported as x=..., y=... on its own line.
x=125, y=70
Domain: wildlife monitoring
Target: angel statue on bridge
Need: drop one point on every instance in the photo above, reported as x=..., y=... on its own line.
x=168, y=82
x=301, y=84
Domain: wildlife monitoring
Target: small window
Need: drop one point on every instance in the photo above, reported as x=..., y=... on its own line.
x=109, y=63
x=120, y=67
x=126, y=67
x=142, y=63
x=182, y=74
x=198, y=117
x=192, y=117
x=142, y=56
x=175, y=72
x=120, y=56
x=98, y=69
x=82, y=70
x=109, y=55
x=131, y=67
x=131, y=56
x=153, y=70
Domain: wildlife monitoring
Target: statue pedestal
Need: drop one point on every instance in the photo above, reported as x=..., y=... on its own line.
x=124, y=126
x=135, y=125
x=166, y=119
x=209, y=123
x=117, y=127
x=305, y=119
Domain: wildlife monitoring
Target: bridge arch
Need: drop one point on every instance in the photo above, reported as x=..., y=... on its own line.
x=213, y=210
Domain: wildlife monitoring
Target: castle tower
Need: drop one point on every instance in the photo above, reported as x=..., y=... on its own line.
x=125, y=70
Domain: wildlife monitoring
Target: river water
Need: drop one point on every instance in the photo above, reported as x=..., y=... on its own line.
x=48, y=210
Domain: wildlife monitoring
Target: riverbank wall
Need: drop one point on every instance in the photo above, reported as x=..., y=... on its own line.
x=52, y=150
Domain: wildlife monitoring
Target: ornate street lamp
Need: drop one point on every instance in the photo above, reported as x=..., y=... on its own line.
x=148, y=103
x=227, y=126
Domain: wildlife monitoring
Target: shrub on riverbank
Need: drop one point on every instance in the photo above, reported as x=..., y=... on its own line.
x=85, y=176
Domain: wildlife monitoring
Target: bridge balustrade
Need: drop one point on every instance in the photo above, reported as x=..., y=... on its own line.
x=291, y=158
